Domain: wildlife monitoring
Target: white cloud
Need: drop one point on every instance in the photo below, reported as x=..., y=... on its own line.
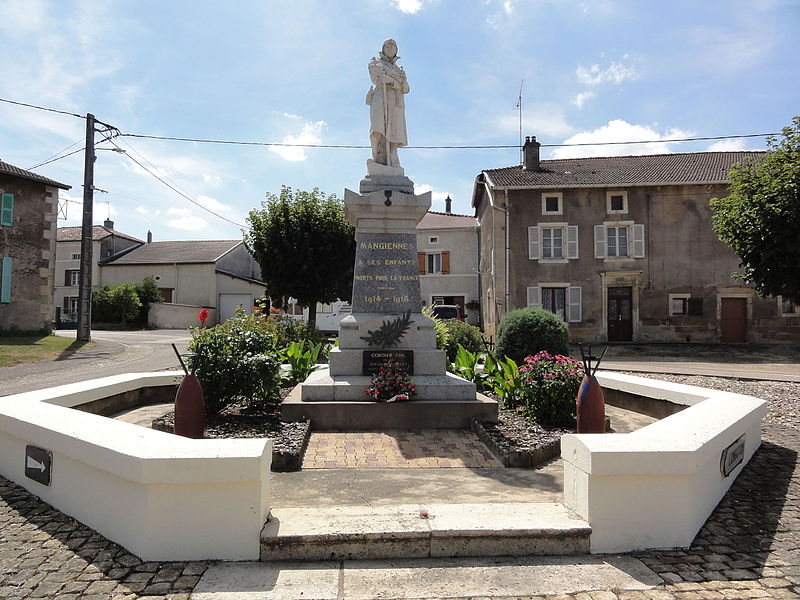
x=615, y=73
x=508, y=6
x=538, y=119
x=213, y=204
x=147, y=212
x=581, y=98
x=619, y=131
x=727, y=145
x=184, y=212
x=190, y=223
x=212, y=180
x=309, y=135
x=21, y=17
x=289, y=115
x=409, y=7
x=437, y=197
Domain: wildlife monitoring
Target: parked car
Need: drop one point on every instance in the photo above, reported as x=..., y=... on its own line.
x=446, y=312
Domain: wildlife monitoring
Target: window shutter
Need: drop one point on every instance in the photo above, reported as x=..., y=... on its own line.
x=445, y=263
x=638, y=241
x=572, y=241
x=66, y=304
x=7, y=210
x=574, y=304
x=5, y=281
x=534, y=299
x=599, y=241
x=67, y=277
x=695, y=307
x=533, y=243
x=421, y=262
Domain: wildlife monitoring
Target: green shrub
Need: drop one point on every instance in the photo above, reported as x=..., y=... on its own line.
x=549, y=389
x=442, y=334
x=286, y=330
x=148, y=293
x=462, y=333
x=526, y=331
x=236, y=360
x=301, y=361
x=102, y=306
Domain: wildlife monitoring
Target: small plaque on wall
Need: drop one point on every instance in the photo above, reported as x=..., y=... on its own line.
x=375, y=359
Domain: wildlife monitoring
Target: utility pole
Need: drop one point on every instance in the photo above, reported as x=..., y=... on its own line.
x=85, y=281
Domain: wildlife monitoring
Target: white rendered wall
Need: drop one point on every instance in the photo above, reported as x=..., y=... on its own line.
x=161, y=496
x=655, y=487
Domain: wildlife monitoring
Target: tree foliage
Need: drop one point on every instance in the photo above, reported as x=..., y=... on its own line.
x=760, y=218
x=304, y=245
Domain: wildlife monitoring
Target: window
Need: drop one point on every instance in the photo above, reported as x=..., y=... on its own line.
x=562, y=299
x=76, y=256
x=7, y=210
x=617, y=202
x=617, y=244
x=74, y=303
x=433, y=240
x=74, y=277
x=788, y=309
x=679, y=304
x=5, y=280
x=434, y=263
x=553, y=241
x=552, y=203
x=619, y=239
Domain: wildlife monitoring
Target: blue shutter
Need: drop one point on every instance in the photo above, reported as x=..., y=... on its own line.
x=7, y=210
x=5, y=281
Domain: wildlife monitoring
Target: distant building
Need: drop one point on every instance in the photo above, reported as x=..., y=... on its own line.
x=621, y=248
x=28, y=211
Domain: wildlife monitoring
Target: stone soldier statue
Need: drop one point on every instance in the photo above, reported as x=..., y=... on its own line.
x=387, y=116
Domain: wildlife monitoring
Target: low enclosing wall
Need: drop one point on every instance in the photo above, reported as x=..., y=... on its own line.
x=161, y=496
x=655, y=487
x=178, y=316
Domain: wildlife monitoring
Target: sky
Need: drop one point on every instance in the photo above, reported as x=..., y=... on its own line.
x=296, y=72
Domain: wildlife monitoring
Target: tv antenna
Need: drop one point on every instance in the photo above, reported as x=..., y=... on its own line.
x=519, y=108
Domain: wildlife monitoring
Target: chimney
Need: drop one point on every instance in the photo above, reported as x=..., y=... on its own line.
x=448, y=205
x=530, y=153
x=108, y=224
x=149, y=237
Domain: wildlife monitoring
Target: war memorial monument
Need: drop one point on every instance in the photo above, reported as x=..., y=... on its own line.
x=386, y=323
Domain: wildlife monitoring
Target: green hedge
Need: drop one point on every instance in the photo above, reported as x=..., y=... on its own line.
x=526, y=331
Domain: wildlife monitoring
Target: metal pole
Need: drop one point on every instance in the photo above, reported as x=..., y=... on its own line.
x=85, y=281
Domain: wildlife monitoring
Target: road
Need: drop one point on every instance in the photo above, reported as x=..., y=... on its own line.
x=113, y=352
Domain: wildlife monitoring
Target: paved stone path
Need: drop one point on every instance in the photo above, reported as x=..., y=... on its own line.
x=397, y=449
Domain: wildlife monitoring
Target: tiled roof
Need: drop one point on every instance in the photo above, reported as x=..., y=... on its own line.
x=195, y=251
x=439, y=220
x=8, y=169
x=690, y=167
x=73, y=234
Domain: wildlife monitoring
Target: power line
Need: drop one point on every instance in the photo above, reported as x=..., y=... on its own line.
x=56, y=154
x=53, y=110
x=179, y=192
x=52, y=160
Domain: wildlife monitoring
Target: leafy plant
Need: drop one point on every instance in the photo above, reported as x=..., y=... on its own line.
x=526, y=331
x=235, y=361
x=391, y=383
x=301, y=361
x=549, y=388
x=442, y=334
x=502, y=377
x=463, y=334
x=286, y=330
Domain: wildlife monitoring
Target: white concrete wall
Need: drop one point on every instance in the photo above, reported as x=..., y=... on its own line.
x=161, y=496
x=178, y=316
x=655, y=487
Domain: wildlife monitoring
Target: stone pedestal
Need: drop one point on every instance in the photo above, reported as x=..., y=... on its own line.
x=387, y=322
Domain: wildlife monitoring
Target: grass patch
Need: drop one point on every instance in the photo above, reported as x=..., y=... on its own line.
x=15, y=350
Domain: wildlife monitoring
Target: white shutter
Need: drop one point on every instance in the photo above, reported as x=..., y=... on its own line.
x=599, y=241
x=533, y=297
x=638, y=241
x=572, y=241
x=533, y=243
x=574, y=303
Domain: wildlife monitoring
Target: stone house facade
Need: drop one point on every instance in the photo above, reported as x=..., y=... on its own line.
x=621, y=248
x=447, y=247
x=28, y=213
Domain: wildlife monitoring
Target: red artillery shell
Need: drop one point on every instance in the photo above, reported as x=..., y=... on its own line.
x=189, y=408
x=591, y=406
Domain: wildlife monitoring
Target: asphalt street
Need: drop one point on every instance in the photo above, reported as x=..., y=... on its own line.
x=113, y=352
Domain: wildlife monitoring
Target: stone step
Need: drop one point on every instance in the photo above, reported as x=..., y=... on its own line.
x=417, y=531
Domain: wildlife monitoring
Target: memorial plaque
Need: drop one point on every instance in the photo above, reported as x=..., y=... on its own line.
x=38, y=463
x=386, y=273
x=374, y=360
x=732, y=457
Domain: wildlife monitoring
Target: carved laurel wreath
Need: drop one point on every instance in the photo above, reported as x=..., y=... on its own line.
x=389, y=333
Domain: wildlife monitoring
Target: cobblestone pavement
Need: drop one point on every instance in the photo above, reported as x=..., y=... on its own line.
x=426, y=448
x=749, y=548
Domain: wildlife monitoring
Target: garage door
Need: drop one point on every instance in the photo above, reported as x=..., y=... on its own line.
x=229, y=302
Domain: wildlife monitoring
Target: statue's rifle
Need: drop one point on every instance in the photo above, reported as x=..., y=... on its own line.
x=386, y=119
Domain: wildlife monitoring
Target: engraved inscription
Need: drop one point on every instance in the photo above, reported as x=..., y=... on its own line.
x=386, y=278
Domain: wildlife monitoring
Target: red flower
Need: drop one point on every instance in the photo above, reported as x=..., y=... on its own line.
x=203, y=316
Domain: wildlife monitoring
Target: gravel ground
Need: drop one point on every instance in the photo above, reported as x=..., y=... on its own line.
x=515, y=433
x=783, y=398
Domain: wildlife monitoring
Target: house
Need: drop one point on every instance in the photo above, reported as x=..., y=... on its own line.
x=621, y=248
x=28, y=212
x=447, y=249
x=220, y=275
x=107, y=243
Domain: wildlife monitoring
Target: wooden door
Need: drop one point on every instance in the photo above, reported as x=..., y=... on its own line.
x=620, y=314
x=733, y=320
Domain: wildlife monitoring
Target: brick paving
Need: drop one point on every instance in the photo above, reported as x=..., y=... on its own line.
x=425, y=448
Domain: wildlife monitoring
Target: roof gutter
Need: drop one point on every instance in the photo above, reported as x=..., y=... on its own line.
x=605, y=185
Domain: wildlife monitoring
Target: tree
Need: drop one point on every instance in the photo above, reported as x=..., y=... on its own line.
x=760, y=218
x=305, y=247
x=125, y=301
